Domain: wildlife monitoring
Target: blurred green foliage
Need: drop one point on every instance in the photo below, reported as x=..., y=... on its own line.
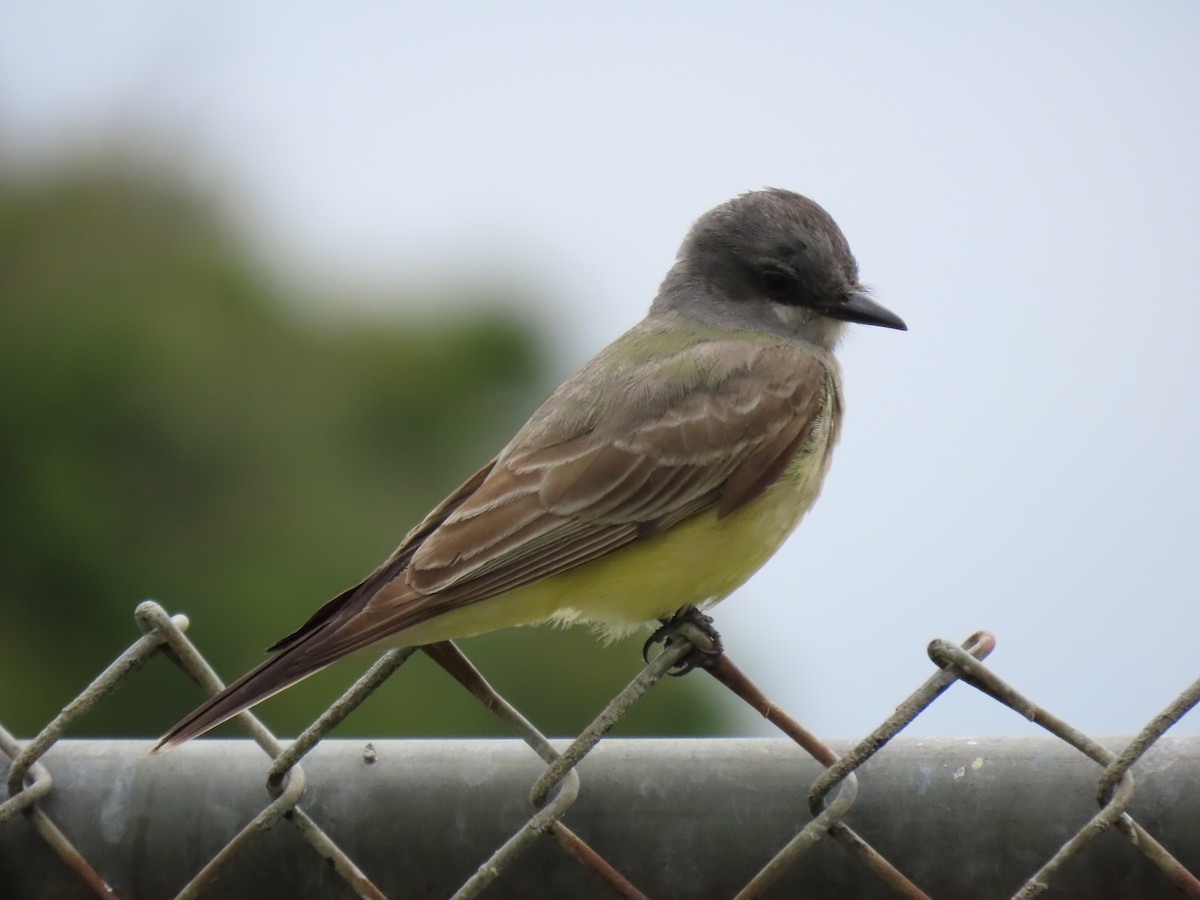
x=175, y=428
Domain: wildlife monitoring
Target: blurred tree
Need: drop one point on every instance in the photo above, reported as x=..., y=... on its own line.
x=174, y=429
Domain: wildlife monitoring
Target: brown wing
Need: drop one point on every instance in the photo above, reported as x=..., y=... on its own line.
x=543, y=510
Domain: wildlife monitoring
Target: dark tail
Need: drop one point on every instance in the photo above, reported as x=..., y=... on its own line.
x=333, y=631
x=268, y=678
x=304, y=652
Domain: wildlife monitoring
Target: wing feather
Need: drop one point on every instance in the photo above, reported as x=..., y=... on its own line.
x=725, y=442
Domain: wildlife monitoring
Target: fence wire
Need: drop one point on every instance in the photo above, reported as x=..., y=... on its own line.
x=831, y=796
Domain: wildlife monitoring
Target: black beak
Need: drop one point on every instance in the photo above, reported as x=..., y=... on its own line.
x=858, y=307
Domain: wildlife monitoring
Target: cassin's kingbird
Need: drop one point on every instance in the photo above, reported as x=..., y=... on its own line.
x=657, y=478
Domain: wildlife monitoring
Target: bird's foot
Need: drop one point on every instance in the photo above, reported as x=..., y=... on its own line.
x=695, y=628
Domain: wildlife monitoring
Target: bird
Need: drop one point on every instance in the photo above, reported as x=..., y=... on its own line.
x=655, y=480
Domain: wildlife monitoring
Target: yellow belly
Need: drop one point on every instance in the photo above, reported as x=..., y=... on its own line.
x=696, y=563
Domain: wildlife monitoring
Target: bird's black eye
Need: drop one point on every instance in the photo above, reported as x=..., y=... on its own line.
x=776, y=282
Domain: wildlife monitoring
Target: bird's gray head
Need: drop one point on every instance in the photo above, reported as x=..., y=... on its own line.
x=774, y=260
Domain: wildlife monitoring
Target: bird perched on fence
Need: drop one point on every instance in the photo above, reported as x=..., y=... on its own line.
x=656, y=479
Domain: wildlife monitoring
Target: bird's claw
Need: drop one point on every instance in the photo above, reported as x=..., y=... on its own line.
x=695, y=628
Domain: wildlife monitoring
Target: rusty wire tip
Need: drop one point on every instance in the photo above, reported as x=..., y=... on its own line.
x=979, y=644
x=695, y=628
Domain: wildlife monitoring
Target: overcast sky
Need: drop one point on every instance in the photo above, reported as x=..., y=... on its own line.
x=1019, y=181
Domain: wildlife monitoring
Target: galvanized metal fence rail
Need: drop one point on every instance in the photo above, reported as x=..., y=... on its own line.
x=830, y=799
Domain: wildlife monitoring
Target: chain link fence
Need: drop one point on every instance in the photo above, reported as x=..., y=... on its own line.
x=719, y=821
